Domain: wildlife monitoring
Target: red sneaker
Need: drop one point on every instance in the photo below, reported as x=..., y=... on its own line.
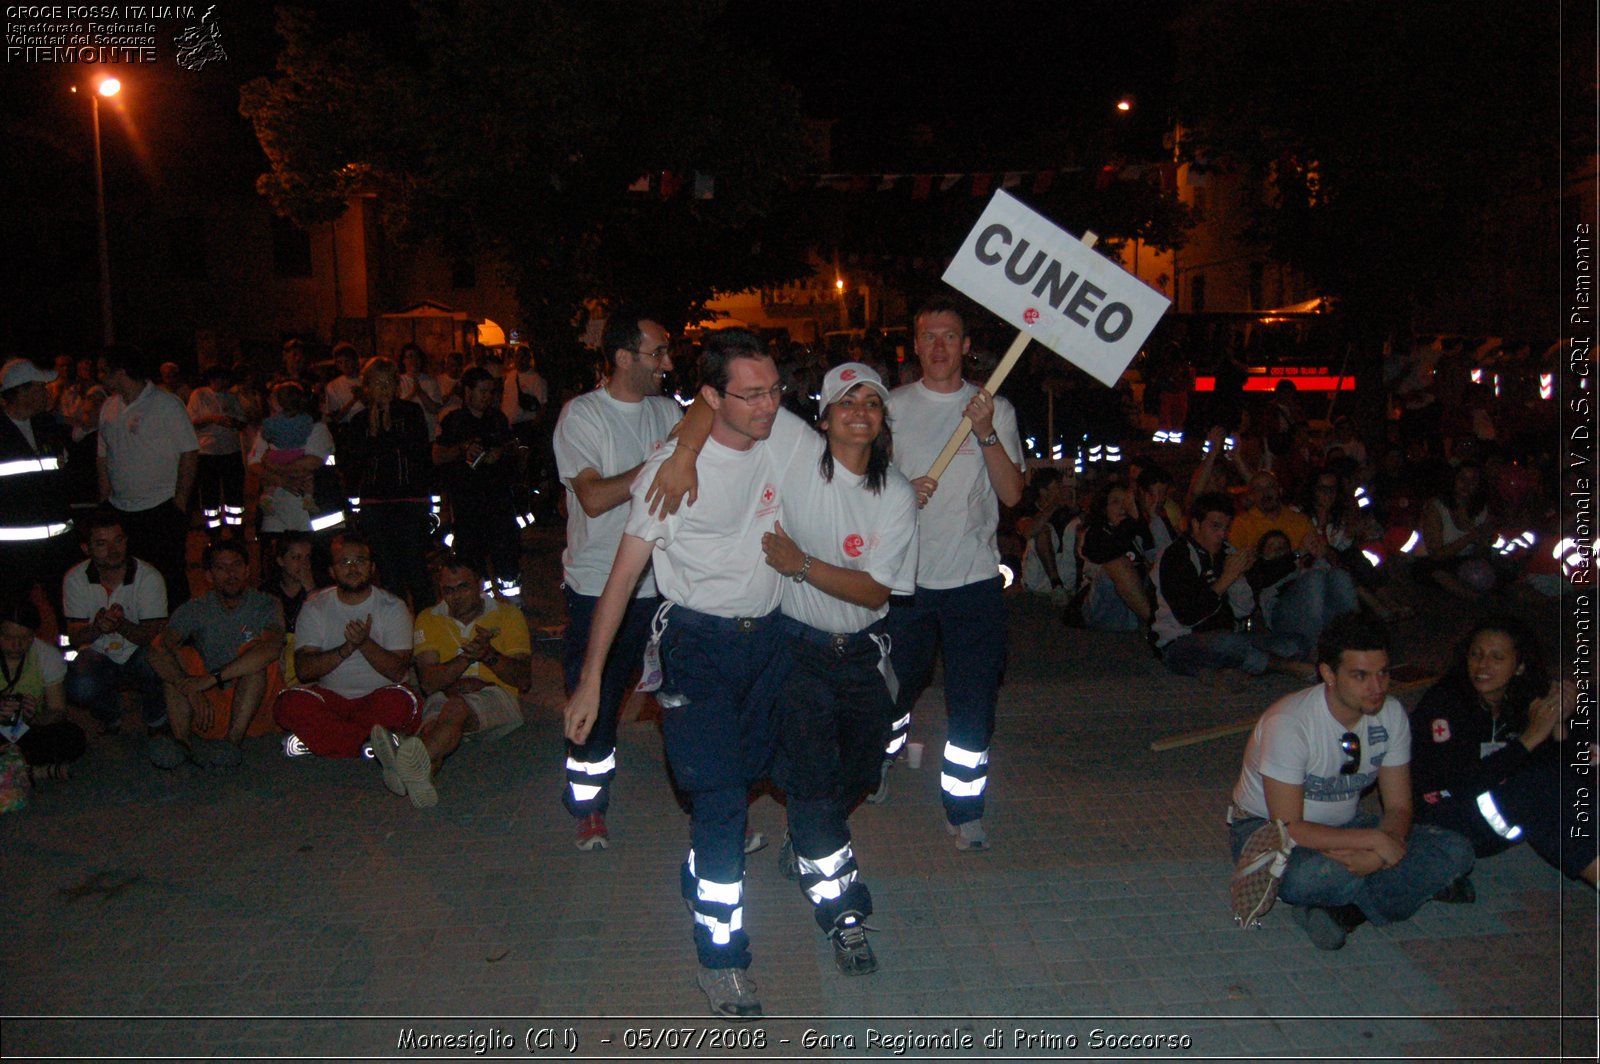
x=592, y=833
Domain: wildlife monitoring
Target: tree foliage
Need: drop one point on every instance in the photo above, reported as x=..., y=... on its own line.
x=1381, y=132
x=518, y=128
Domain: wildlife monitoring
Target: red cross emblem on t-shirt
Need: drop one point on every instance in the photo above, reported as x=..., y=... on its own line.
x=1441, y=731
x=766, y=495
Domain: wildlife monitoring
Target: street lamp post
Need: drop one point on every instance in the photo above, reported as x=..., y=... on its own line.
x=107, y=87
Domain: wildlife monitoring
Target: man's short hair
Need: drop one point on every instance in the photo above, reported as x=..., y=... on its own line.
x=474, y=377
x=100, y=517
x=941, y=304
x=1151, y=476
x=280, y=549
x=352, y=539
x=1350, y=631
x=452, y=561
x=623, y=331
x=1211, y=502
x=292, y=397
x=342, y=348
x=224, y=546
x=130, y=359
x=721, y=348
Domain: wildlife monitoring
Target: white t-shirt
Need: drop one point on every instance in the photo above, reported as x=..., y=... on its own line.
x=321, y=627
x=141, y=442
x=608, y=436
x=708, y=556
x=337, y=397
x=142, y=596
x=956, y=530
x=215, y=438
x=281, y=509
x=842, y=523
x=1297, y=742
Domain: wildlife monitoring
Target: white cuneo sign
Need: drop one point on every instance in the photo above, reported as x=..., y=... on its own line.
x=1052, y=286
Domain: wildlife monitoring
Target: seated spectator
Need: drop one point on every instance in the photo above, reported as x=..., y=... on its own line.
x=218, y=658
x=352, y=650
x=1112, y=546
x=290, y=579
x=473, y=658
x=33, y=701
x=1317, y=592
x=1344, y=527
x=114, y=604
x=1488, y=743
x=1346, y=441
x=1305, y=766
x=1202, y=602
x=1457, y=529
x=1050, y=560
x=1211, y=475
x=1159, y=512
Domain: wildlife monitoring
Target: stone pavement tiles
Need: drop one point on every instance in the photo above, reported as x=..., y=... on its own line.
x=223, y=915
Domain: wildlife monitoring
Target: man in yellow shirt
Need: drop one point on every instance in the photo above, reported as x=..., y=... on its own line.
x=1305, y=591
x=473, y=657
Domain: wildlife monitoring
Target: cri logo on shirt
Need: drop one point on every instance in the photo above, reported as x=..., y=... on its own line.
x=848, y=375
x=853, y=544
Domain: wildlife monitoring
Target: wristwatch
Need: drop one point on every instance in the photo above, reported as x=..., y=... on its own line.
x=989, y=440
x=799, y=575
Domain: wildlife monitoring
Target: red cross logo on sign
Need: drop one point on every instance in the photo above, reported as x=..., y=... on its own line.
x=1030, y=316
x=1441, y=731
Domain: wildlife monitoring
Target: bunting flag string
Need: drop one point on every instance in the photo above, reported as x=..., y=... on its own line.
x=666, y=184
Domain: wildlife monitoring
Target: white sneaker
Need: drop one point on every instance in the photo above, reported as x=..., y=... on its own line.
x=294, y=747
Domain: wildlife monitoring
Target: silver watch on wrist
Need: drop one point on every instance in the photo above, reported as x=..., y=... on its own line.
x=799, y=575
x=989, y=440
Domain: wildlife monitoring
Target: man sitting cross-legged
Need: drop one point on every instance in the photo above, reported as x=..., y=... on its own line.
x=218, y=659
x=472, y=655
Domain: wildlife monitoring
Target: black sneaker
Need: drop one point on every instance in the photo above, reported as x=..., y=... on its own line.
x=1328, y=928
x=851, y=950
x=788, y=863
x=732, y=993
x=1459, y=892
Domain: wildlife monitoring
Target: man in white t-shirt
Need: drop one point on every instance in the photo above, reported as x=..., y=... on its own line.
x=339, y=397
x=352, y=648
x=148, y=456
x=844, y=500
x=115, y=605
x=957, y=602
x=720, y=644
x=601, y=441
x=1305, y=766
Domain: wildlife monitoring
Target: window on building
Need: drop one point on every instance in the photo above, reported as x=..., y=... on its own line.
x=291, y=249
x=1197, y=294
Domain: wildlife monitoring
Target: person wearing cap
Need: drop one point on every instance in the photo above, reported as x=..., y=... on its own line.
x=147, y=462
x=957, y=603
x=717, y=636
x=35, y=501
x=601, y=441
x=844, y=500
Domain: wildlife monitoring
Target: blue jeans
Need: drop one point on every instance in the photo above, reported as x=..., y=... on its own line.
x=969, y=623
x=1307, y=603
x=721, y=680
x=94, y=682
x=1104, y=610
x=1434, y=859
x=593, y=764
x=1223, y=648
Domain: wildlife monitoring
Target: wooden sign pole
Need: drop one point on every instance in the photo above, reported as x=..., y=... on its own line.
x=992, y=386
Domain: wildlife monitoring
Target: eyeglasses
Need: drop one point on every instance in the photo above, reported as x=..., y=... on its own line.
x=352, y=563
x=771, y=395
x=661, y=352
x=1350, y=745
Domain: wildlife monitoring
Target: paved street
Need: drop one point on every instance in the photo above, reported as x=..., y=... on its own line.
x=297, y=908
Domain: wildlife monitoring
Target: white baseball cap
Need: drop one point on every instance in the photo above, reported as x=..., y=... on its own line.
x=20, y=371
x=847, y=375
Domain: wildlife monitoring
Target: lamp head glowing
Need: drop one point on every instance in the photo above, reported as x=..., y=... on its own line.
x=108, y=87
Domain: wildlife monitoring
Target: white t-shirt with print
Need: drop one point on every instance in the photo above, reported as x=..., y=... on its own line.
x=142, y=596
x=608, y=436
x=842, y=523
x=956, y=530
x=1297, y=741
x=321, y=627
x=141, y=443
x=708, y=555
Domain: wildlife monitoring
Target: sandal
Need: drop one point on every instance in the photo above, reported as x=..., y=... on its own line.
x=59, y=771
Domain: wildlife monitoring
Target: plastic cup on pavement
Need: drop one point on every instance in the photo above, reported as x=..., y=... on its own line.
x=914, y=755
